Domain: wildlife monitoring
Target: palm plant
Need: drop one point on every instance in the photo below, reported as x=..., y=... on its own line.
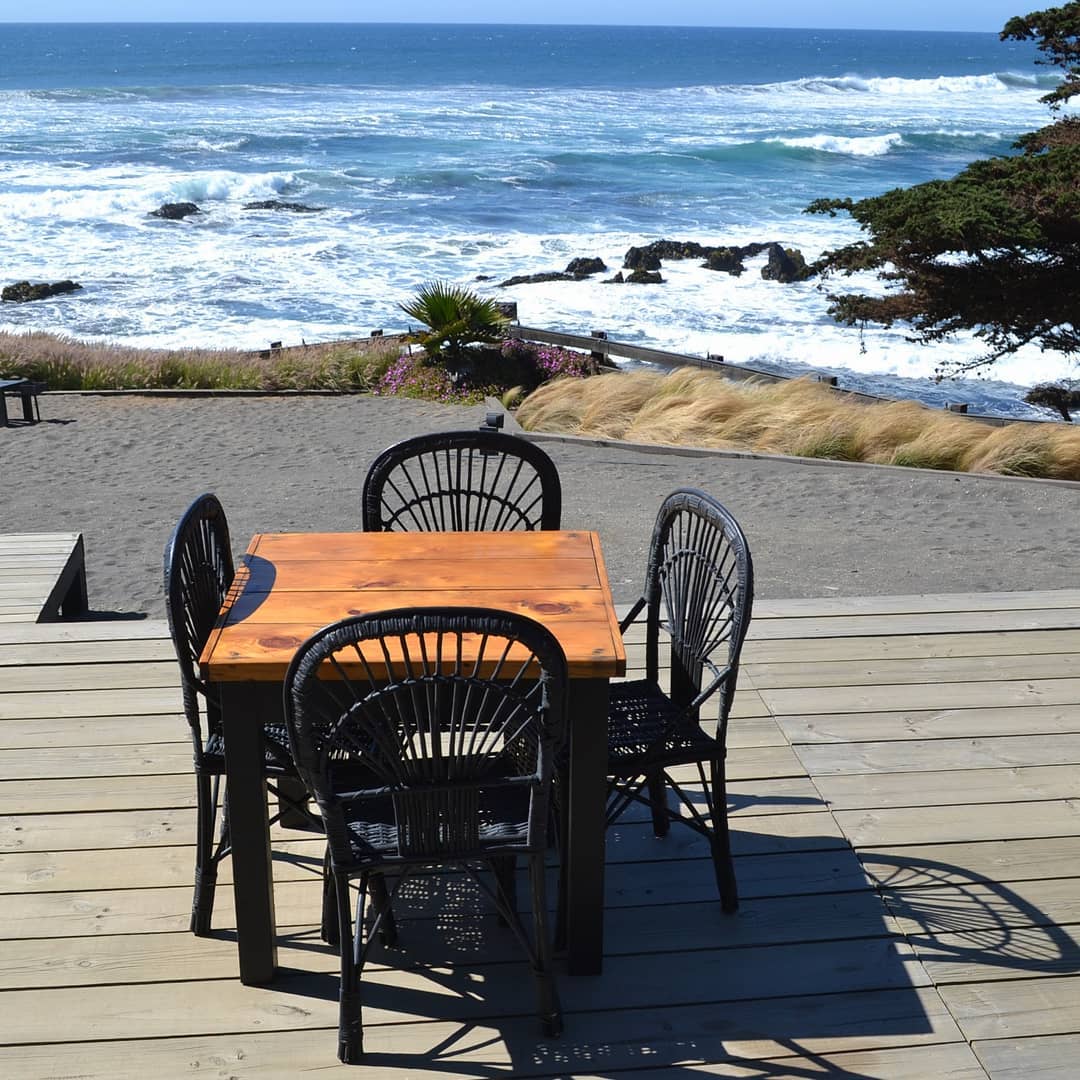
x=456, y=318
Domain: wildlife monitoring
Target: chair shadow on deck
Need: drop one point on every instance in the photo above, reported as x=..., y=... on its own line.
x=808, y=967
x=823, y=959
x=954, y=916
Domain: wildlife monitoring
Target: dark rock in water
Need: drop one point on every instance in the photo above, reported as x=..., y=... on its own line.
x=535, y=279
x=785, y=264
x=175, y=211
x=22, y=291
x=727, y=259
x=635, y=277
x=482, y=277
x=586, y=266
x=641, y=259
x=673, y=249
x=277, y=204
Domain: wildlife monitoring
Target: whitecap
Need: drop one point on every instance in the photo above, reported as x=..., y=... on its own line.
x=859, y=145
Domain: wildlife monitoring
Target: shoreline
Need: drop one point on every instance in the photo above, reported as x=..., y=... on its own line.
x=121, y=470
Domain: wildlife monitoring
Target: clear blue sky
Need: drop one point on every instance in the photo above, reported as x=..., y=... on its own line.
x=988, y=15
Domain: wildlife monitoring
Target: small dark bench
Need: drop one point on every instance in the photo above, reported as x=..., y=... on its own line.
x=28, y=391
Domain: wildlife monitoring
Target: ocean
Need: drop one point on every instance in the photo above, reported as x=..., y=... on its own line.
x=475, y=153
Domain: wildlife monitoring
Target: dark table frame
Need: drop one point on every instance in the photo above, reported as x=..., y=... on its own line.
x=248, y=705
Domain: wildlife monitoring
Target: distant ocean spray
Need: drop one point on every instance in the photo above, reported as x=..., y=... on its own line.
x=474, y=153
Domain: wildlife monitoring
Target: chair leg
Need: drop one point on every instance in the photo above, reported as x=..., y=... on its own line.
x=547, y=994
x=329, y=929
x=380, y=898
x=661, y=822
x=350, y=1019
x=723, y=864
x=206, y=867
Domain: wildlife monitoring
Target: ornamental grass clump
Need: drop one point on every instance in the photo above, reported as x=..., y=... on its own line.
x=797, y=417
x=65, y=364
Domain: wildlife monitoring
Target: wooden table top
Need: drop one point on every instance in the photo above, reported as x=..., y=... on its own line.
x=291, y=584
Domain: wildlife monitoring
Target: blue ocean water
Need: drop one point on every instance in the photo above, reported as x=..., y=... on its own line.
x=473, y=153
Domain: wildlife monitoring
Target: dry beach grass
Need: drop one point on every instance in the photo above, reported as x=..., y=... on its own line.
x=689, y=407
x=66, y=364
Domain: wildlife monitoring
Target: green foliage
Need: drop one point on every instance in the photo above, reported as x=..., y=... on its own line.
x=1056, y=31
x=994, y=250
x=455, y=317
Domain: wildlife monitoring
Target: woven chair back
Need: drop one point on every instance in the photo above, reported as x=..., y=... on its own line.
x=198, y=573
x=699, y=592
x=432, y=711
x=462, y=481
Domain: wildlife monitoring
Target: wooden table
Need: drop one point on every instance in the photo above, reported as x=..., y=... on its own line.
x=291, y=584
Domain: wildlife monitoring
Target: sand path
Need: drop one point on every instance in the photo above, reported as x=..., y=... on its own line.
x=120, y=469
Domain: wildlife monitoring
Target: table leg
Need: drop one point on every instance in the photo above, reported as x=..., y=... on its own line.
x=588, y=708
x=253, y=879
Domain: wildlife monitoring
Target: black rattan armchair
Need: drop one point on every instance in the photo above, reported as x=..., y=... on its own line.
x=428, y=736
x=462, y=481
x=699, y=590
x=198, y=572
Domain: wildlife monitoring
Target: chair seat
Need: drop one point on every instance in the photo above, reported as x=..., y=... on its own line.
x=275, y=753
x=645, y=728
x=503, y=824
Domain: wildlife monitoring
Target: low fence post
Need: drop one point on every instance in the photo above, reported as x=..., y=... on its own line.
x=600, y=335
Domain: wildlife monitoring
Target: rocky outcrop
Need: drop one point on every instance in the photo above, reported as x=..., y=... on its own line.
x=785, y=265
x=635, y=277
x=671, y=249
x=576, y=270
x=583, y=267
x=535, y=279
x=788, y=265
x=644, y=263
x=175, y=211
x=22, y=291
x=643, y=258
x=727, y=259
x=277, y=204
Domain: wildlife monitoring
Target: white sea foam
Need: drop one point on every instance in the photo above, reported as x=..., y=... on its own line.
x=981, y=85
x=860, y=146
x=463, y=183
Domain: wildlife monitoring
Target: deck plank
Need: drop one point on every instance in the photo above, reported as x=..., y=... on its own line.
x=893, y=742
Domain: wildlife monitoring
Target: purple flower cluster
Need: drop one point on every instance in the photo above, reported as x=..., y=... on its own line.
x=550, y=361
x=409, y=377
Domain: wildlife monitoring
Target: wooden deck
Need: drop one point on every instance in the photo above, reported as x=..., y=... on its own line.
x=906, y=805
x=42, y=575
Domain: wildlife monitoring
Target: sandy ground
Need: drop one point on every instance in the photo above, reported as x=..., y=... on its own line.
x=120, y=469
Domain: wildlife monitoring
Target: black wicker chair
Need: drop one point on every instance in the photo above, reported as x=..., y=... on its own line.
x=198, y=572
x=699, y=591
x=418, y=757
x=462, y=481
